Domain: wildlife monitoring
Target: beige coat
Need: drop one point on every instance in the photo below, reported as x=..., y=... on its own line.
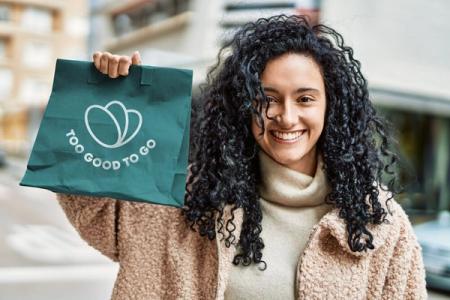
x=161, y=258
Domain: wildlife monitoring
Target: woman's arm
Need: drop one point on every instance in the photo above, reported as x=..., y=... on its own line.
x=416, y=285
x=406, y=273
x=95, y=219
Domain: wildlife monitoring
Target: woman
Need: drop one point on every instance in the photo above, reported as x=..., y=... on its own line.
x=288, y=158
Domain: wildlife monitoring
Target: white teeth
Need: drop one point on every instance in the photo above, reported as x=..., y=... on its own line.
x=287, y=136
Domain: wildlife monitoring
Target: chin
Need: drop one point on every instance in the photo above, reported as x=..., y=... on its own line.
x=288, y=160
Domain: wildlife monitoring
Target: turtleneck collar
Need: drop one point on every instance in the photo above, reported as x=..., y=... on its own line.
x=285, y=186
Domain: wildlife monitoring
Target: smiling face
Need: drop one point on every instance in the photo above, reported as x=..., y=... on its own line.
x=294, y=86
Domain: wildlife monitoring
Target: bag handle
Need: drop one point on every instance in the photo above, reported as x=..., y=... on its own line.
x=145, y=74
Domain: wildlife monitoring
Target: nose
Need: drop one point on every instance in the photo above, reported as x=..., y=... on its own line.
x=289, y=115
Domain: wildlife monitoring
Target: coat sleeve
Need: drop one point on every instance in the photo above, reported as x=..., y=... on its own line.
x=416, y=284
x=95, y=219
x=406, y=274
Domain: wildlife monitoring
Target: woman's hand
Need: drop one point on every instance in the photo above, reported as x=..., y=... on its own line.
x=115, y=65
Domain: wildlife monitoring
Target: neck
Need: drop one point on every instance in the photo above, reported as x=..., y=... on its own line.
x=289, y=187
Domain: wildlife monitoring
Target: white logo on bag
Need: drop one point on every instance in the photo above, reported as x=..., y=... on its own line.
x=122, y=138
x=116, y=163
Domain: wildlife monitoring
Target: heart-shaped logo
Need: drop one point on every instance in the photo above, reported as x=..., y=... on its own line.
x=117, y=107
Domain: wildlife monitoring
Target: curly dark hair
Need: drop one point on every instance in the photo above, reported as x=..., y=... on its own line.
x=355, y=143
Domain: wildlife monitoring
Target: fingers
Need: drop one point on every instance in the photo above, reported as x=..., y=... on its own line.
x=96, y=58
x=104, y=59
x=136, y=58
x=124, y=65
x=115, y=65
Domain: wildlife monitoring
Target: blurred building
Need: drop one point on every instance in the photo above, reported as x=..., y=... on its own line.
x=405, y=57
x=33, y=33
x=238, y=12
x=179, y=33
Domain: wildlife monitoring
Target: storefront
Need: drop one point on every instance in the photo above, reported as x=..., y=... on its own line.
x=422, y=128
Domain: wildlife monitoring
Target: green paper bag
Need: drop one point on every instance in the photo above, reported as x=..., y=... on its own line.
x=126, y=138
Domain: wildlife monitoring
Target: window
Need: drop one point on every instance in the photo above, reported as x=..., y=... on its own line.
x=37, y=54
x=2, y=48
x=4, y=12
x=76, y=26
x=6, y=83
x=34, y=90
x=37, y=19
x=130, y=17
x=423, y=152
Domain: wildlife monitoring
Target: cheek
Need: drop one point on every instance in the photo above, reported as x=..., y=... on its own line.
x=316, y=122
x=255, y=129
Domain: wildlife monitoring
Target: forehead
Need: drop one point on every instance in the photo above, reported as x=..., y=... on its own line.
x=292, y=70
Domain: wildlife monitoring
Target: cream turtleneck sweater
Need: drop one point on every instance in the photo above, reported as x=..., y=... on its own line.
x=292, y=203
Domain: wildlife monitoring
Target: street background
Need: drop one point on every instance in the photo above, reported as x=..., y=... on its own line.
x=403, y=47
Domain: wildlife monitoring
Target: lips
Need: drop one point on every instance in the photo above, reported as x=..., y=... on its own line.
x=292, y=134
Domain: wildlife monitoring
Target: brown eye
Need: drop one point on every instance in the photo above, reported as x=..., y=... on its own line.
x=270, y=99
x=305, y=99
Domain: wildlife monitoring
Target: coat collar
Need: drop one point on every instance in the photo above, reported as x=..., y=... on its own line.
x=337, y=228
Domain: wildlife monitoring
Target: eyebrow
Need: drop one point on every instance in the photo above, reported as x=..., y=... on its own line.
x=299, y=90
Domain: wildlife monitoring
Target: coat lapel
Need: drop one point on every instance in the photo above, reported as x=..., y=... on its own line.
x=336, y=227
x=329, y=269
